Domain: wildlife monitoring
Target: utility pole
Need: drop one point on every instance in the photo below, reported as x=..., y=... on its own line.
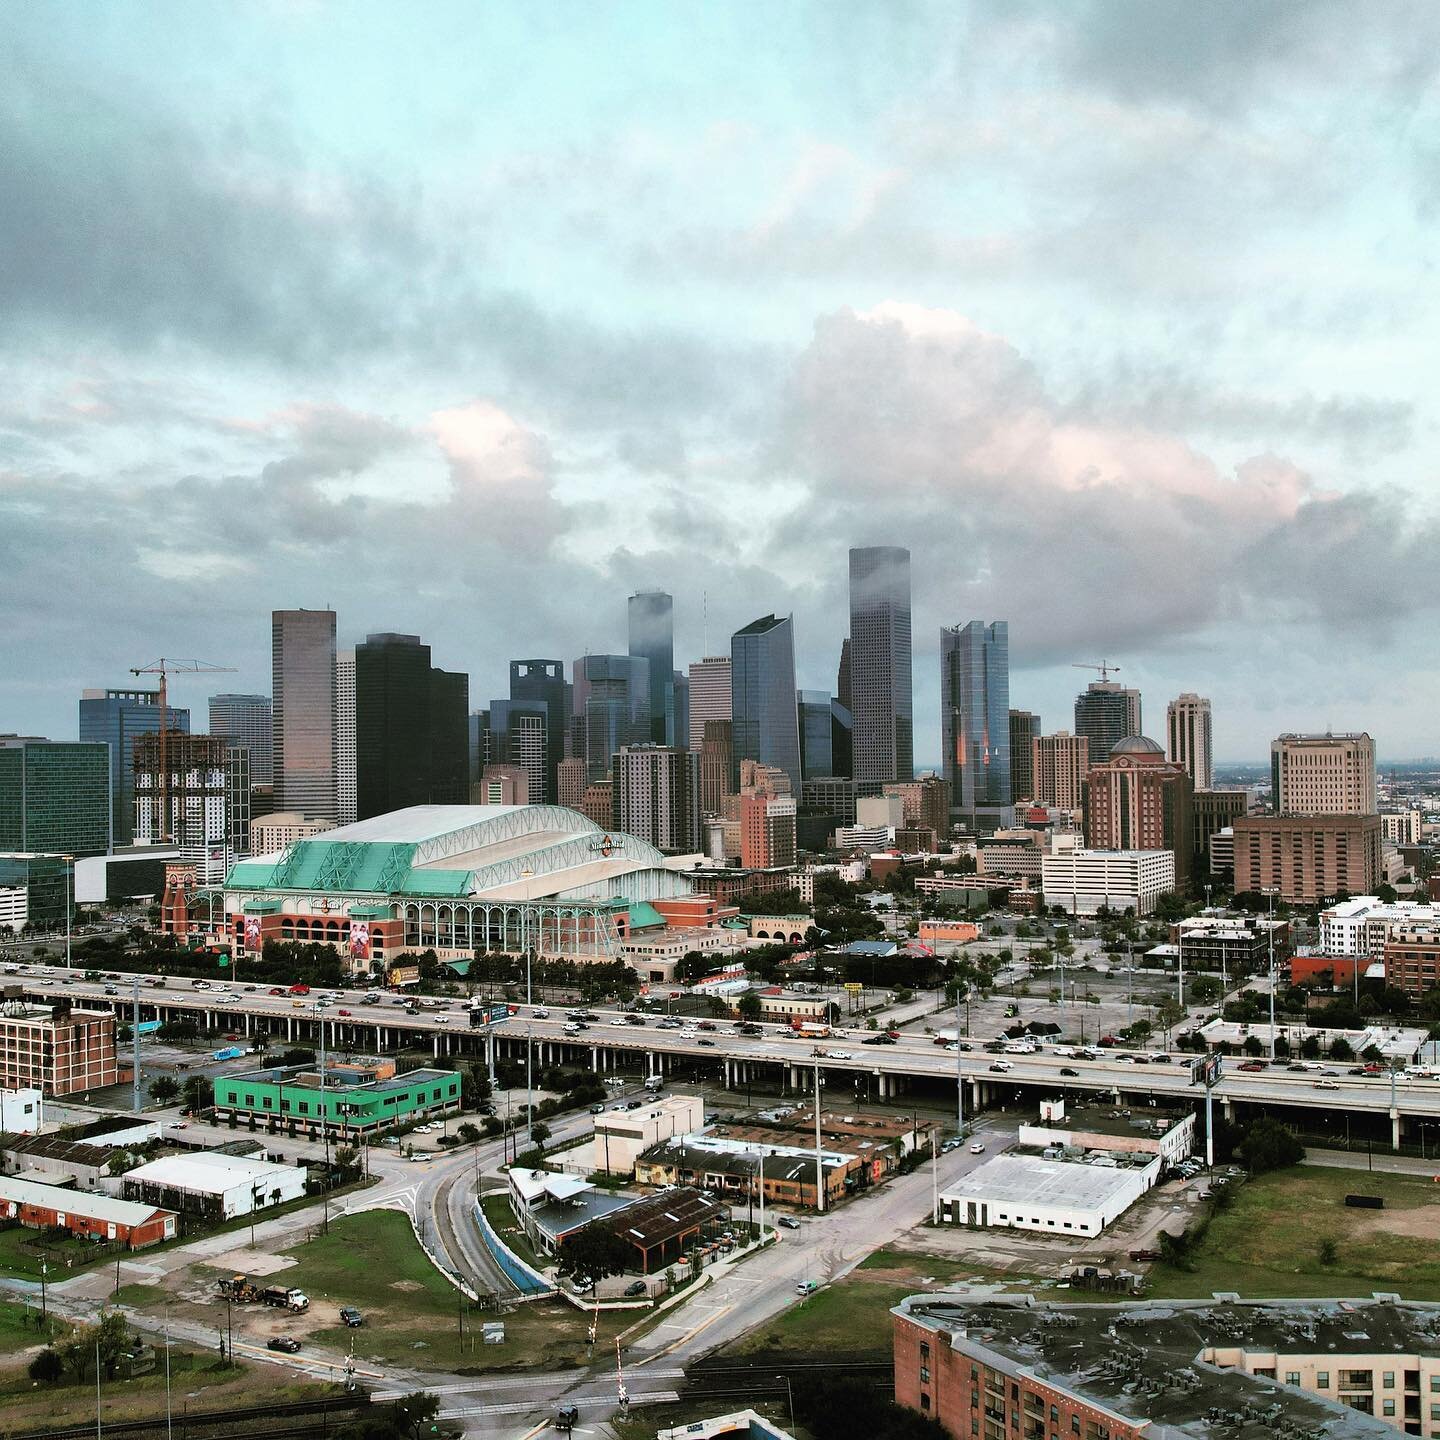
x=819, y=1161
x=135, y=1040
x=1271, y=894
x=324, y=1126
x=959, y=1065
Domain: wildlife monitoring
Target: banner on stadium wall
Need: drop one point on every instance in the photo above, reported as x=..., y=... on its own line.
x=252, y=932
x=359, y=939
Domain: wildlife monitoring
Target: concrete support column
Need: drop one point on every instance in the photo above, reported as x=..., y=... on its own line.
x=595, y=1058
x=1227, y=1106
x=1394, y=1129
x=435, y=1042
x=290, y=1027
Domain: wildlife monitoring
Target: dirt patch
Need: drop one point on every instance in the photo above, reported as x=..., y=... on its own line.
x=1422, y=1223
x=406, y=1285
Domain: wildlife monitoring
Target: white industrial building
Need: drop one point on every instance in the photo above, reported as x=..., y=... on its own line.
x=622, y=1135
x=1057, y=1196
x=1139, y=1131
x=1394, y=1042
x=1084, y=881
x=14, y=907
x=1357, y=926
x=22, y=1112
x=213, y=1185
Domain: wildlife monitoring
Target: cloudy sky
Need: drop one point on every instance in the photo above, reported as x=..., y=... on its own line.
x=470, y=319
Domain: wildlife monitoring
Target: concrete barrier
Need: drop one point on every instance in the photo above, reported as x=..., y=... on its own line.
x=525, y=1278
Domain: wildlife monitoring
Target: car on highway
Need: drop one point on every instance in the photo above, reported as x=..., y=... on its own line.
x=597, y=1109
x=838, y=1055
x=1067, y=1070
x=953, y=1048
x=343, y=1011
x=1325, y=1084
x=617, y=1022
x=706, y=1040
x=634, y=1019
x=1002, y=1066
x=1252, y=1066
x=884, y=1039
x=299, y=989
x=285, y=1344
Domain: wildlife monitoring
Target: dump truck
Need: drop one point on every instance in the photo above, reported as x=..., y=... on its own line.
x=284, y=1298
x=238, y=1289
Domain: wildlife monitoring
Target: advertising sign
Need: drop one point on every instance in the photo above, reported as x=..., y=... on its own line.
x=252, y=932
x=359, y=939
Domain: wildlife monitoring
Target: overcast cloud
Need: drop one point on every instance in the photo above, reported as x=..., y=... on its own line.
x=1121, y=316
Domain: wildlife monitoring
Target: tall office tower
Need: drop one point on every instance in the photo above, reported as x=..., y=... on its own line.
x=1323, y=775
x=1187, y=737
x=347, y=800
x=1213, y=811
x=611, y=699
x=119, y=718
x=652, y=638
x=834, y=795
x=762, y=696
x=1059, y=764
x=709, y=695
x=449, y=737
x=542, y=682
x=1138, y=800
x=717, y=766
x=1024, y=730
x=975, y=717
x=842, y=740
x=767, y=831
x=238, y=784
x=842, y=675
x=680, y=688
x=54, y=796
x=880, y=694
x=520, y=736
x=502, y=785
x=657, y=796
x=187, y=803
x=478, y=742
x=1105, y=714
x=303, y=734
x=570, y=782
x=817, y=756
x=246, y=720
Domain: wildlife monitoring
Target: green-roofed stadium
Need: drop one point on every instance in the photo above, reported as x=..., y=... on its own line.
x=453, y=878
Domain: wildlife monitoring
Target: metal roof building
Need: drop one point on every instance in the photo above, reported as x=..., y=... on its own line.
x=452, y=877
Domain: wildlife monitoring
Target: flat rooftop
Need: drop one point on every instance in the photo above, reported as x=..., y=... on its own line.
x=1141, y=1121
x=1027, y=1179
x=1147, y=1360
x=307, y=1077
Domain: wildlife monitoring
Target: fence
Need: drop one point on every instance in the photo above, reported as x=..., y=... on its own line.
x=527, y=1281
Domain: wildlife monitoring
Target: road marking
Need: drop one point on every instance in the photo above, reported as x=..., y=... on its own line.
x=676, y=1344
x=519, y=1382
x=520, y=1407
x=276, y=1357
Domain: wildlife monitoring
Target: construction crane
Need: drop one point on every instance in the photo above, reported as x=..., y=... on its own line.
x=165, y=669
x=1106, y=670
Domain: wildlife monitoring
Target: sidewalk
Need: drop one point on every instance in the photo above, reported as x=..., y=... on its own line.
x=1382, y=1160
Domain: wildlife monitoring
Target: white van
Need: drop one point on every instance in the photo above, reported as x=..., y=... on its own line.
x=1066, y=1052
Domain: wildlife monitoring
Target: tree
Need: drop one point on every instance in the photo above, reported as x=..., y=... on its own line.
x=164, y=1090
x=46, y=1368
x=1268, y=1145
x=468, y=1133
x=1205, y=989
x=540, y=1133
x=1386, y=893
x=749, y=1006
x=596, y=1251
x=1310, y=1048
x=1328, y=1251
x=693, y=966
x=1341, y=1049
x=1168, y=1014
x=1252, y=1045
x=198, y=1094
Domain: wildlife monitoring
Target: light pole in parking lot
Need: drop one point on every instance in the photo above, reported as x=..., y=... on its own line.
x=1271, y=894
x=69, y=893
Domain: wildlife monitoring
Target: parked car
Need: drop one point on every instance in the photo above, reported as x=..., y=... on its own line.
x=285, y=1344
x=788, y=1222
x=597, y=1109
x=635, y=1287
x=351, y=1316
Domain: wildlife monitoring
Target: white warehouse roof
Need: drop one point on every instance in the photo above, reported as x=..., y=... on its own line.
x=1029, y=1180
x=209, y=1173
x=75, y=1202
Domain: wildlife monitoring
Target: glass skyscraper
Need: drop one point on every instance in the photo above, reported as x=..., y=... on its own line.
x=119, y=718
x=246, y=720
x=542, y=682
x=304, y=717
x=612, y=708
x=652, y=638
x=816, y=750
x=975, y=716
x=879, y=664
x=1105, y=714
x=762, y=694
x=54, y=797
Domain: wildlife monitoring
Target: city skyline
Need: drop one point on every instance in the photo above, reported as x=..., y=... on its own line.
x=284, y=331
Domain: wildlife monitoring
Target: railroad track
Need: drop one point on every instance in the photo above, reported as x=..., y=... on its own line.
x=299, y=1420
x=768, y=1377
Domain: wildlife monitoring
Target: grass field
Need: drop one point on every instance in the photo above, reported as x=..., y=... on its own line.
x=1268, y=1242
x=413, y=1316
x=19, y=1330
x=22, y=1250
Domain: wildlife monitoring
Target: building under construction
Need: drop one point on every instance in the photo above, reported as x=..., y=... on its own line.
x=184, y=800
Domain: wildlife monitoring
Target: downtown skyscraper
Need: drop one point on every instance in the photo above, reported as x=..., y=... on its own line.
x=246, y=720
x=766, y=726
x=878, y=669
x=652, y=638
x=304, y=711
x=975, y=717
x=1187, y=737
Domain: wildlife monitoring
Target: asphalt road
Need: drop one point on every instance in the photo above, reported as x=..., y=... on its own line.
x=845, y=1052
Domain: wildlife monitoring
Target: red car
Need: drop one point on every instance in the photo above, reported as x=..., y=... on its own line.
x=342, y=1012
x=299, y=989
x=276, y=990
x=1251, y=1065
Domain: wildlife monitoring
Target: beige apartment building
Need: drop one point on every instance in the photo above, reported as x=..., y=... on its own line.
x=1059, y=764
x=1323, y=775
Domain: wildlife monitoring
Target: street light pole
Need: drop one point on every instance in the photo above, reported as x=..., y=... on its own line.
x=69, y=902
x=791, y=1393
x=959, y=1066
x=1271, y=895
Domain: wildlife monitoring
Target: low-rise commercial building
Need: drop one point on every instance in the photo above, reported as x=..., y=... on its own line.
x=622, y=1136
x=22, y=1112
x=91, y=1217
x=789, y=1006
x=52, y=1161
x=354, y=1100
x=1360, y=925
x=1015, y=1370
x=1394, y=1042
x=214, y=1187
x=57, y=1049
x=1234, y=944
x=740, y=1168
x=1085, y=881
x=1170, y=1135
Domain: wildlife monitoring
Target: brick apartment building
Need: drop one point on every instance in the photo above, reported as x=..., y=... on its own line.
x=1412, y=958
x=1305, y=858
x=57, y=1050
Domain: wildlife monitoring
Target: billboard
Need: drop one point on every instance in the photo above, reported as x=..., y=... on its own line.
x=1205, y=1071
x=359, y=939
x=252, y=932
